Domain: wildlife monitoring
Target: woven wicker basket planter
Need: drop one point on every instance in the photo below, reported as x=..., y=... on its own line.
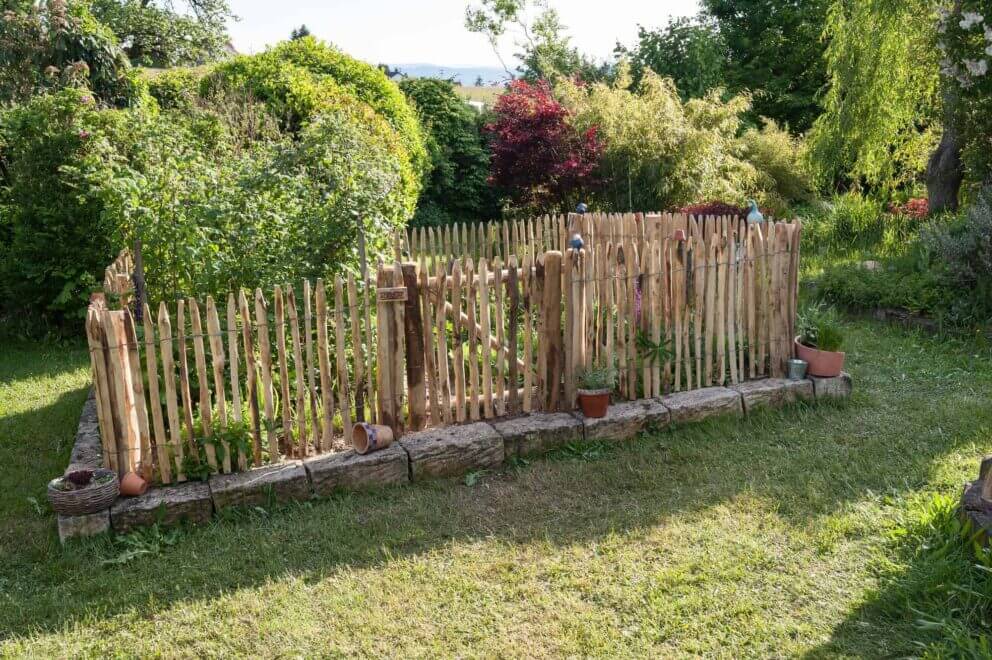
x=89, y=499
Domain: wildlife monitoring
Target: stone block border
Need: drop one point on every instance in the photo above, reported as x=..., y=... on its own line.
x=434, y=453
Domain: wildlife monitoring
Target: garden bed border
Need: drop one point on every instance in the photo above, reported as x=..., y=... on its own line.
x=433, y=453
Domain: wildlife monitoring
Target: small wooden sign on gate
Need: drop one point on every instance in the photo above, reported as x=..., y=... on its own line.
x=391, y=294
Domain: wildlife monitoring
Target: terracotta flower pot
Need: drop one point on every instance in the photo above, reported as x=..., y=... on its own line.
x=594, y=403
x=823, y=364
x=367, y=438
x=133, y=485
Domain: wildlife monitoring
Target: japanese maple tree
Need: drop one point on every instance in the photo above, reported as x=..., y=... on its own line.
x=539, y=159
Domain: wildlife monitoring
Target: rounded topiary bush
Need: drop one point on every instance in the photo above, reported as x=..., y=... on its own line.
x=298, y=80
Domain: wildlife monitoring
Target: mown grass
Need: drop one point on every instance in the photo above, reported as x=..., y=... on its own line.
x=821, y=531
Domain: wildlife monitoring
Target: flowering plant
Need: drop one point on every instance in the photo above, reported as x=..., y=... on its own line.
x=965, y=43
x=918, y=208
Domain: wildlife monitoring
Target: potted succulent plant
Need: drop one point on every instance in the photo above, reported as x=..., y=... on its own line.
x=83, y=491
x=595, y=385
x=820, y=340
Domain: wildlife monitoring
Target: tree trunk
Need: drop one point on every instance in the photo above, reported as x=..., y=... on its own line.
x=945, y=172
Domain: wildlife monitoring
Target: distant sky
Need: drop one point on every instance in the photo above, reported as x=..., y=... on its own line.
x=432, y=31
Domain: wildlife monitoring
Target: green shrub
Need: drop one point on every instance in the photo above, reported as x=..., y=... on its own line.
x=893, y=287
x=856, y=223
x=961, y=256
x=56, y=152
x=325, y=64
x=301, y=79
x=60, y=44
x=782, y=175
x=175, y=89
x=456, y=188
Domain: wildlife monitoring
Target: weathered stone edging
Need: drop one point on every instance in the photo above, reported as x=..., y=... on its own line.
x=434, y=453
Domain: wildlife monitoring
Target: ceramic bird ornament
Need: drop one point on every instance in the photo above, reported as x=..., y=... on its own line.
x=576, y=242
x=753, y=214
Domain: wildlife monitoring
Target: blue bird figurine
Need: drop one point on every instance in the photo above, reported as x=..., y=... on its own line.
x=576, y=242
x=581, y=208
x=753, y=214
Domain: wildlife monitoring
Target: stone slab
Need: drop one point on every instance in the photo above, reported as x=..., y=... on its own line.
x=976, y=511
x=166, y=505
x=656, y=414
x=87, y=450
x=773, y=392
x=75, y=527
x=453, y=451
x=698, y=405
x=258, y=487
x=538, y=434
x=833, y=388
x=986, y=466
x=622, y=421
x=348, y=470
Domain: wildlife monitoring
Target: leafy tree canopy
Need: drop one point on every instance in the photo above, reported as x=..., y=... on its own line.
x=547, y=52
x=57, y=45
x=775, y=51
x=158, y=33
x=882, y=108
x=690, y=51
x=456, y=188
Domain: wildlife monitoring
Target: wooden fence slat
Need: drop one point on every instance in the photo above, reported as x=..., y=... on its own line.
x=552, y=337
x=486, y=341
x=154, y=398
x=234, y=361
x=251, y=373
x=218, y=360
x=414, y=341
x=265, y=355
x=471, y=293
x=143, y=461
x=528, y=333
x=430, y=365
x=441, y=327
x=169, y=381
x=461, y=331
x=324, y=364
x=357, y=343
x=500, y=404
x=299, y=369
x=513, y=291
x=285, y=401
x=344, y=387
x=206, y=403
x=98, y=360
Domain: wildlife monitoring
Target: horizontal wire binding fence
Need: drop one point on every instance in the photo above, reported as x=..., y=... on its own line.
x=440, y=341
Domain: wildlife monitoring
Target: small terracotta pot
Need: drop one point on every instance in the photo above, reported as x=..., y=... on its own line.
x=594, y=403
x=366, y=438
x=823, y=364
x=133, y=485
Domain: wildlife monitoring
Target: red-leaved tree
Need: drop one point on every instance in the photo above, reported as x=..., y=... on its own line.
x=539, y=159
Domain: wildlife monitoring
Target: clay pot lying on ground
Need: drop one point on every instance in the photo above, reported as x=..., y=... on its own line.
x=367, y=438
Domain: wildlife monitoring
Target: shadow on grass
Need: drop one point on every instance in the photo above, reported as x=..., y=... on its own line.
x=809, y=461
x=935, y=590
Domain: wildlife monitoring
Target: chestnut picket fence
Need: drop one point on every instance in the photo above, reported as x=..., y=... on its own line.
x=444, y=337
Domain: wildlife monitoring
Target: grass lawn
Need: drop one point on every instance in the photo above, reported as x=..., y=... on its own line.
x=811, y=531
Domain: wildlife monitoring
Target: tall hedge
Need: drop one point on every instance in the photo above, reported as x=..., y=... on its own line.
x=299, y=78
x=456, y=188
